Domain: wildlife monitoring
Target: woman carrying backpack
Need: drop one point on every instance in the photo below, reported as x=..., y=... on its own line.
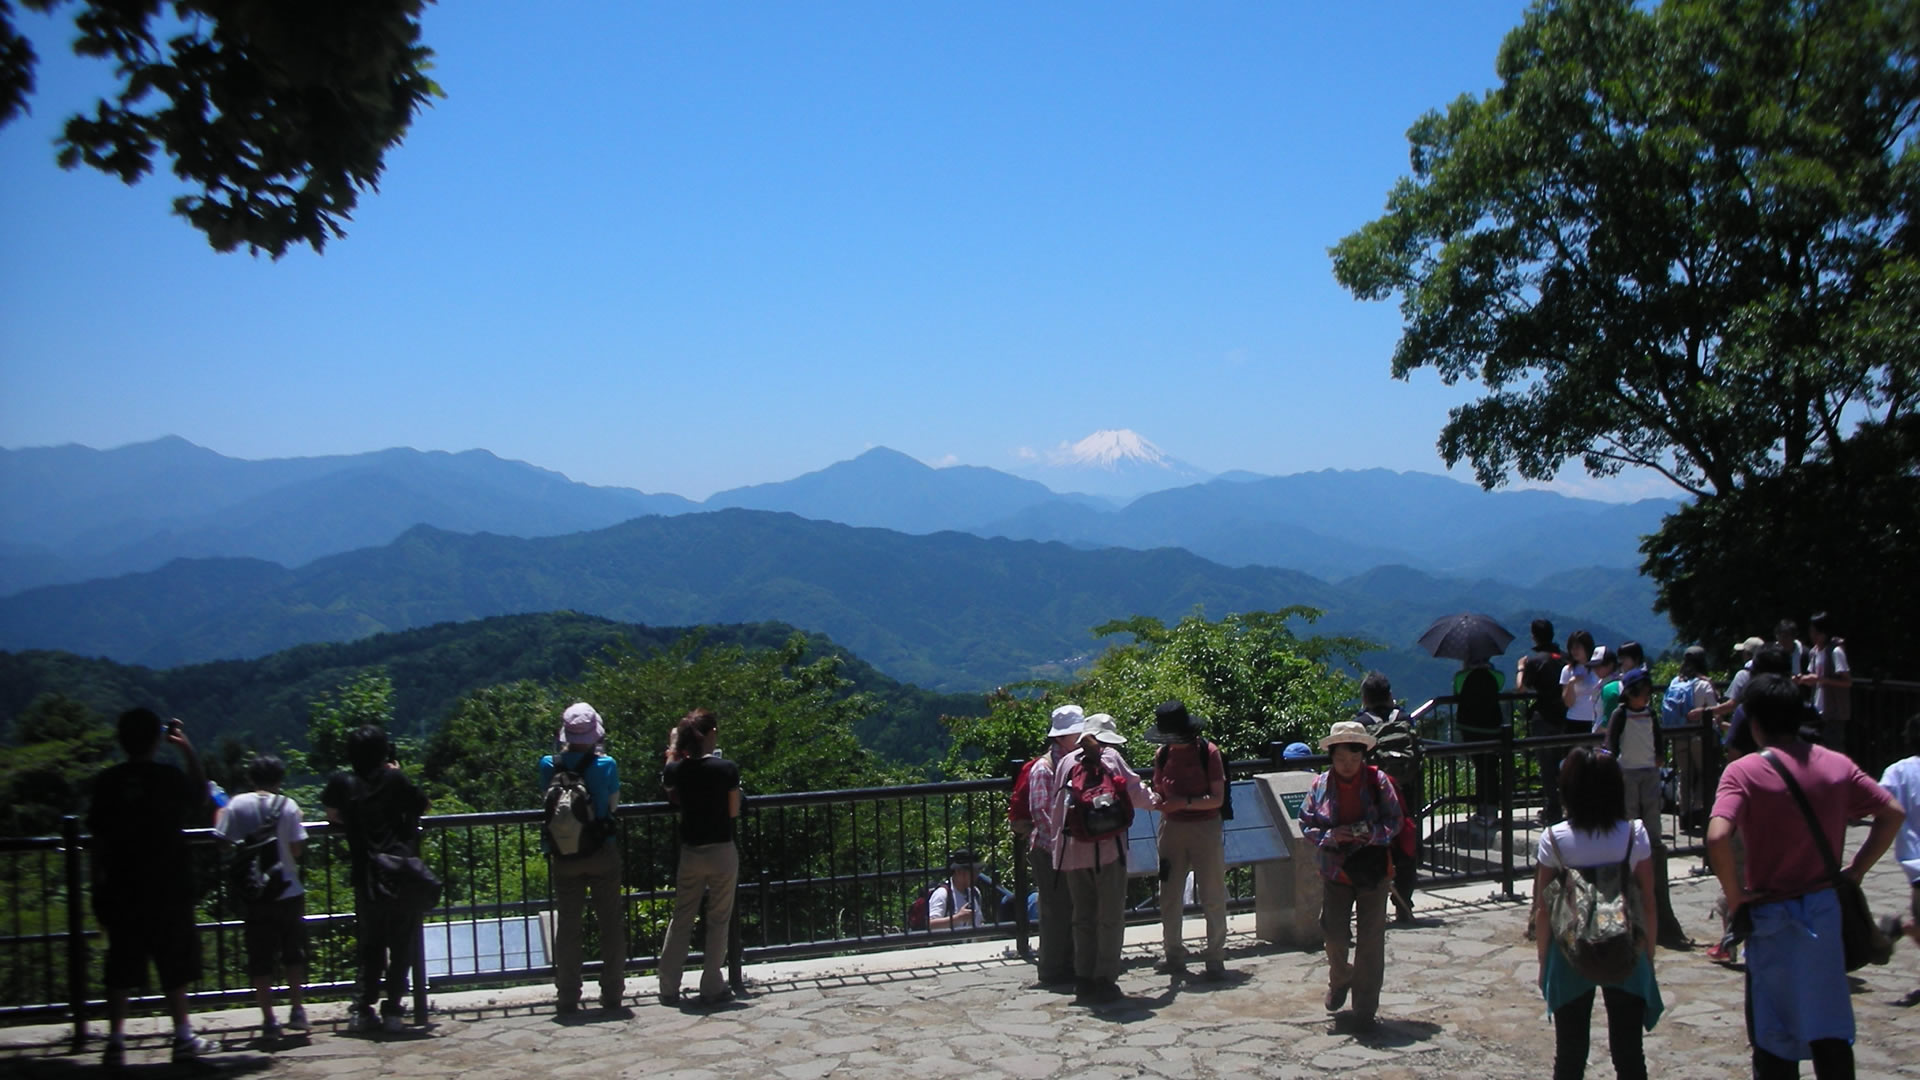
x=1610, y=855
x=1094, y=805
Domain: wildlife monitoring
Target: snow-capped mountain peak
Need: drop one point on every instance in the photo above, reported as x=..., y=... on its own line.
x=1109, y=449
x=1113, y=462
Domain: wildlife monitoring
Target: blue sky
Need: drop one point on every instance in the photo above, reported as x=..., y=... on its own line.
x=683, y=247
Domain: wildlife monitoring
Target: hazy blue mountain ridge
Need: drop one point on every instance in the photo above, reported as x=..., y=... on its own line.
x=948, y=611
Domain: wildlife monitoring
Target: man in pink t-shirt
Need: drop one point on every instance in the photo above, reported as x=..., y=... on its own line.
x=1797, y=993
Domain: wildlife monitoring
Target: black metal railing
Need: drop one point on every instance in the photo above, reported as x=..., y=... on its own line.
x=821, y=872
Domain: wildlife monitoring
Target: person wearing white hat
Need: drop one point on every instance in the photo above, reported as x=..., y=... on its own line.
x=1352, y=814
x=1055, y=902
x=594, y=867
x=1097, y=791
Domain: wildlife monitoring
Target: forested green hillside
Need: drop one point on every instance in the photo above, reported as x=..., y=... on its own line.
x=266, y=701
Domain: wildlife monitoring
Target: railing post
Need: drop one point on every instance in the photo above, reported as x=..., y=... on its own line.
x=1506, y=820
x=1277, y=754
x=420, y=972
x=1023, y=927
x=76, y=930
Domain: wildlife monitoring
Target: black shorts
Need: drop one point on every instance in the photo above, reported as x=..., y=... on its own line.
x=166, y=937
x=276, y=935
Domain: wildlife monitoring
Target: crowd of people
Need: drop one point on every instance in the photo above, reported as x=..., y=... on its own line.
x=1775, y=819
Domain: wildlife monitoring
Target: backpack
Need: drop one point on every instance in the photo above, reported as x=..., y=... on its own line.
x=255, y=874
x=1593, y=918
x=1543, y=667
x=1677, y=702
x=1020, y=803
x=919, y=914
x=569, y=822
x=1226, y=786
x=1097, y=803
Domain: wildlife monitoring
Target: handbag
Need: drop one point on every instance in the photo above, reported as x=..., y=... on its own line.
x=1861, y=938
x=405, y=880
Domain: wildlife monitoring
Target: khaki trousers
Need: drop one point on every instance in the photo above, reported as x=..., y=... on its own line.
x=708, y=873
x=1056, y=917
x=1195, y=846
x=1338, y=905
x=572, y=879
x=1099, y=918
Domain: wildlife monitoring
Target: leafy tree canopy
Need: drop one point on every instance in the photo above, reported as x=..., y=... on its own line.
x=1254, y=680
x=1678, y=237
x=277, y=113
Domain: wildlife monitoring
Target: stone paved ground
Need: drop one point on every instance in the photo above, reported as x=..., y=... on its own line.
x=1460, y=1001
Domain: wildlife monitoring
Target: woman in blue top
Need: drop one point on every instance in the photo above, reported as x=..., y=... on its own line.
x=595, y=866
x=1596, y=834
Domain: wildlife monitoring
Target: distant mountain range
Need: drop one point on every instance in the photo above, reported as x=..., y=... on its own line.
x=71, y=514
x=1116, y=464
x=948, y=611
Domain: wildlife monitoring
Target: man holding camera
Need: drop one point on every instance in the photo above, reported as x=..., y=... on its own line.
x=143, y=889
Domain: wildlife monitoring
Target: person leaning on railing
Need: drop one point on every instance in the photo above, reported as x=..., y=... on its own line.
x=594, y=866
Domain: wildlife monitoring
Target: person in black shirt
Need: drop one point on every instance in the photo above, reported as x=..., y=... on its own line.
x=706, y=788
x=380, y=809
x=143, y=890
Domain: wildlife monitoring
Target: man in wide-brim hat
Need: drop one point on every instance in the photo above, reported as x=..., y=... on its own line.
x=1352, y=814
x=1189, y=787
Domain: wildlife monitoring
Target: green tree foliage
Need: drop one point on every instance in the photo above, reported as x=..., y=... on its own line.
x=1844, y=540
x=1254, y=680
x=59, y=745
x=1675, y=236
x=275, y=114
x=365, y=699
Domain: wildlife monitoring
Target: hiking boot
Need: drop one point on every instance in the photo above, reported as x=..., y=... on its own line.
x=1216, y=970
x=270, y=1032
x=362, y=1018
x=566, y=1006
x=611, y=1002
x=1172, y=967
x=1336, y=997
x=1084, y=989
x=1106, y=991
x=190, y=1048
x=297, y=1019
x=711, y=1001
x=114, y=1057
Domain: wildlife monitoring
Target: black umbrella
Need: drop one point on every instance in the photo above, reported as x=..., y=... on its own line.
x=1468, y=637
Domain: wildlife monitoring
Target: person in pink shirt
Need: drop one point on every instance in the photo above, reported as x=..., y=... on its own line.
x=1056, y=905
x=1095, y=866
x=1798, y=1004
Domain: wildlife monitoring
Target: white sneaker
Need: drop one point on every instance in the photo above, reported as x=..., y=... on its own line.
x=297, y=1019
x=189, y=1048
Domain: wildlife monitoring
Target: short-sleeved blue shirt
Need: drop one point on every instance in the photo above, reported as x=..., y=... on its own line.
x=603, y=778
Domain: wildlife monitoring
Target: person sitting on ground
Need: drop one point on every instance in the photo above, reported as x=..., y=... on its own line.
x=1095, y=868
x=1902, y=781
x=143, y=891
x=1393, y=751
x=1352, y=816
x=1596, y=838
x=1798, y=1002
x=958, y=903
x=276, y=926
x=1190, y=787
